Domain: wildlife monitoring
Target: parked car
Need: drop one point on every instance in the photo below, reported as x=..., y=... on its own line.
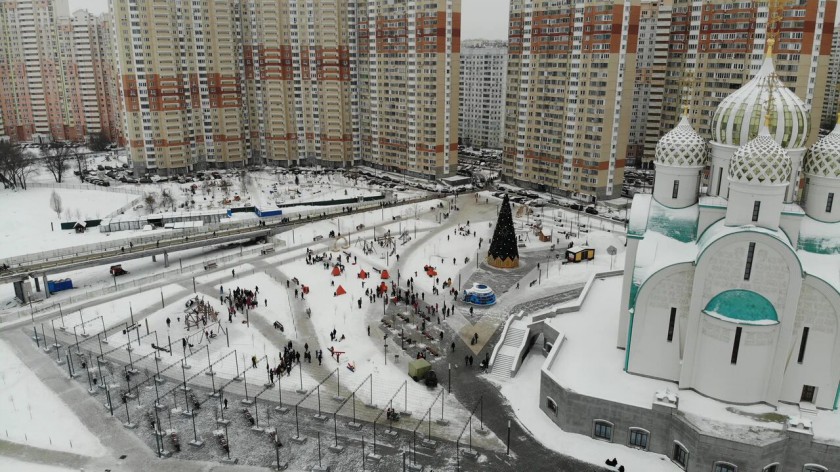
x=576, y=206
x=591, y=210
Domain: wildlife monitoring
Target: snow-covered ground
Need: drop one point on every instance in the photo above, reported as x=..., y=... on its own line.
x=30, y=413
x=7, y=463
x=27, y=217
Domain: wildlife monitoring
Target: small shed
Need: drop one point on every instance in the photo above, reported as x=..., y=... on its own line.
x=417, y=369
x=80, y=226
x=544, y=235
x=580, y=253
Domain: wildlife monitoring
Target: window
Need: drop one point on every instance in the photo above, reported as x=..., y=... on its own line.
x=748, y=268
x=724, y=467
x=829, y=202
x=671, y=321
x=771, y=468
x=639, y=438
x=803, y=344
x=680, y=455
x=814, y=468
x=603, y=430
x=551, y=405
x=676, y=190
x=736, y=345
x=756, y=209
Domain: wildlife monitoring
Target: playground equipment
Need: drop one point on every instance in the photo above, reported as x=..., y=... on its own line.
x=479, y=294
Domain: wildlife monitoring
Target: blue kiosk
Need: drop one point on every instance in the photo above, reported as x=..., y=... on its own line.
x=479, y=294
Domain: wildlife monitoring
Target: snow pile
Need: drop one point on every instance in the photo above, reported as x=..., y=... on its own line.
x=32, y=414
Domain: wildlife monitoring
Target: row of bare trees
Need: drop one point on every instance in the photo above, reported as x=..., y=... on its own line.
x=16, y=165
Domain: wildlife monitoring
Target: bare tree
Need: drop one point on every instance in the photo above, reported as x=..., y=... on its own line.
x=98, y=142
x=150, y=202
x=15, y=165
x=57, y=161
x=55, y=204
x=166, y=199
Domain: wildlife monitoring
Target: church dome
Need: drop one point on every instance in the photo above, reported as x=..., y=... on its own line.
x=824, y=156
x=740, y=115
x=761, y=160
x=681, y=147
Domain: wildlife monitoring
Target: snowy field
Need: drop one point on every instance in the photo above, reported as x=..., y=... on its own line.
x=27, y=217
x=31, y=414
x=7, y=463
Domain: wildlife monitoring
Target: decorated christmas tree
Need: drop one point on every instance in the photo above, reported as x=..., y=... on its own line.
x=503, y=252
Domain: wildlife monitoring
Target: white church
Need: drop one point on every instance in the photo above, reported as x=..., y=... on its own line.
x=732, y=287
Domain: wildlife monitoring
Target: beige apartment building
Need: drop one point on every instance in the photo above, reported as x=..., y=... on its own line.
x=31, y=98
x=716, y=46
x=328, y=82
x=570, y=76
x=831, y=106
x=57, y=71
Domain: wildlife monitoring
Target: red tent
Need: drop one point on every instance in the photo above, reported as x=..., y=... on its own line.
x=336, y=271
x=431, y=272
x=340, y=291
x=385, y=275
x=363, y=274
x=383, y=287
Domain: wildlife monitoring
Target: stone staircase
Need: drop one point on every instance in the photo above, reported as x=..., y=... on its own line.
x=506, y=357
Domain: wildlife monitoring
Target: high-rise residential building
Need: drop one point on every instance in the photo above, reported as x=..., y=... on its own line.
x=717, y=46
x=409, y=61
x=329, y=82
x=831, y=106
x=31, y=98
x=649, y=81
x=57, y=72
x=90, y=101
x=482, y=99
x=570, y=76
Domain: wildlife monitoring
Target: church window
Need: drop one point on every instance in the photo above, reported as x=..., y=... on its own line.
x=750, y=255
x=551, y=404
x=671, y=321
x=603, y=430
x=829, y=202
x=736, y=345
x=676, y=190
x=756, y=209
x=639, y=438
x=680, y=455
x=724, y=467
x=814, y=468
x=803, y=344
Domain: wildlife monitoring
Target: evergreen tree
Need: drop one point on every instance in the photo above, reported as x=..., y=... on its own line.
x=504, y=251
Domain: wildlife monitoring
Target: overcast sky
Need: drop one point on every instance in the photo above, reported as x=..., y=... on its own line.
x=479, y=18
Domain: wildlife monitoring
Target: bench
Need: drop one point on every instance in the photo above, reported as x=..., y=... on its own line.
x=317, y=238
x=210, y=265
x=268, y=250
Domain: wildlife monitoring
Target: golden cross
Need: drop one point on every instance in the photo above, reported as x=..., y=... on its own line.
x=775, y=15
x=686, y=83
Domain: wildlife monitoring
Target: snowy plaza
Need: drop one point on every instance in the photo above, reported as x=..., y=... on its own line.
x=198, y=361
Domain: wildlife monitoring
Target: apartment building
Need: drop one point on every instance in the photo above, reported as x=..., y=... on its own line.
x=570, y=76
x=91, y=102
x=717, y=46
x=649, y=80
x=327, y=82
x=831, y=106
x=31, y=98
x=409, y=53
x=482, y=97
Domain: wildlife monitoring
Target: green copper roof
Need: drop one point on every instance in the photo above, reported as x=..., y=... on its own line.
x=742, y=306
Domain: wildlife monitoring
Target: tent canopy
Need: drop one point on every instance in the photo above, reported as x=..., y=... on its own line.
x=385, y=275
x=363, y=274
x=340, y=290
x=336, y=271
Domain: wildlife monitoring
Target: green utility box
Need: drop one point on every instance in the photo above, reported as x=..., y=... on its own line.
x=417, y=369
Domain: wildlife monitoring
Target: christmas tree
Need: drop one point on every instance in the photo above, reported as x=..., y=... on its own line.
x=504, y=252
